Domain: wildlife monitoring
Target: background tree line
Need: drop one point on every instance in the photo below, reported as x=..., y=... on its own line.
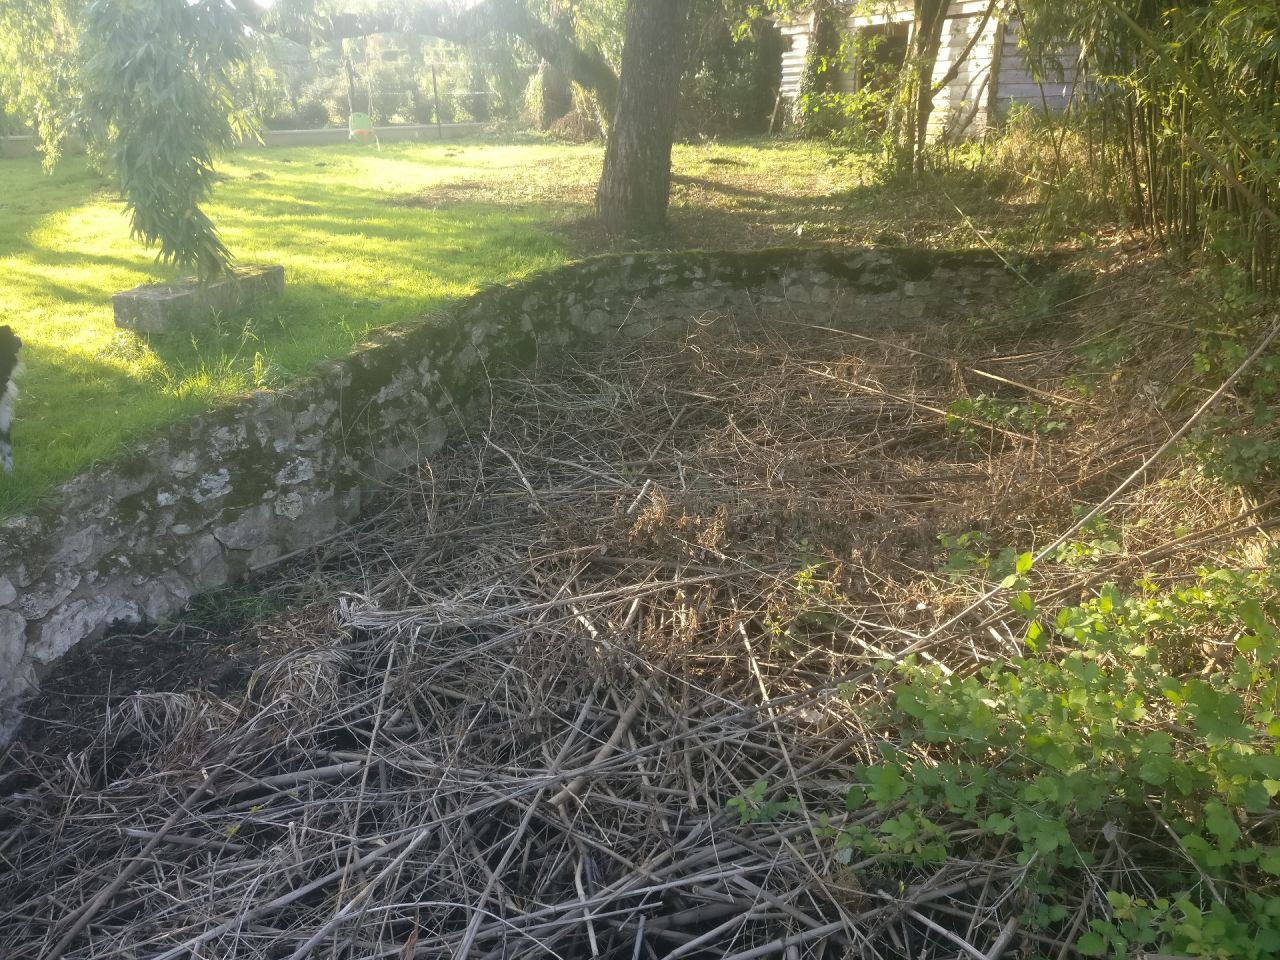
x=1177, y=132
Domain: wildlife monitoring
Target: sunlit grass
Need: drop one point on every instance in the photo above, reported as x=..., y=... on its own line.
x=354, y=258
x=366, y=238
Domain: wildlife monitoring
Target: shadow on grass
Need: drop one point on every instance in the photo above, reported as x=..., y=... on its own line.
x=74, y=409
x=708, y=213
x=31, y=196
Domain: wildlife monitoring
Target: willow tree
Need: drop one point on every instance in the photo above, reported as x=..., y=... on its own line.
x=159, y=80
x=39, y=66
x=149, y=84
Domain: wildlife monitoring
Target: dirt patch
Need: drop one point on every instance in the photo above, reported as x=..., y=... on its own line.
x=572, y=184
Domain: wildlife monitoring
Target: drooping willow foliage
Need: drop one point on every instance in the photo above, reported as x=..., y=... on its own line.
x=1184, y=118
x=159, y=78
x=39, y=63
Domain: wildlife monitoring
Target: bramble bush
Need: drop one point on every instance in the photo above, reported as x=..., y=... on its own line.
x=1139, y=725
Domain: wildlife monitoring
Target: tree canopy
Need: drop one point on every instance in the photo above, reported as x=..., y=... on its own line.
x=161, y=106
x=39, y=65
x=157, y=87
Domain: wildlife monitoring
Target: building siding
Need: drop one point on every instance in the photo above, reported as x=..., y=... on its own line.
x=1017, y=85
x=964, y=106
x=795, y=42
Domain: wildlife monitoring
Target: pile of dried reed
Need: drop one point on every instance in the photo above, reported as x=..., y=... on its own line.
x=592, y=683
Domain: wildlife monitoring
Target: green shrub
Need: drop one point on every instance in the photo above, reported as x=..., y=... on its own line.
x=1143, y=722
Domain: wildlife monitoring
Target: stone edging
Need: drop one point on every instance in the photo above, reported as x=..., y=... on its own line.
x=221, y=494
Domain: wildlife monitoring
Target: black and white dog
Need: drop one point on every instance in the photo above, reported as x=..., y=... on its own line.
x=9, y=369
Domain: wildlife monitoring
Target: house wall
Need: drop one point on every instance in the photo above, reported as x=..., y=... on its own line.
x=795, y=47
x=968, y=104
x=1016, y=85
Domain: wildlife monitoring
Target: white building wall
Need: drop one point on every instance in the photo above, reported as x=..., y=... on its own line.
x=962, y=107
x=795, y=43
x=1016, y=84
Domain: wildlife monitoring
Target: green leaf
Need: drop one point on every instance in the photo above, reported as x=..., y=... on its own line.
x=997, y=824
x=1035, y=631
x=1091, y=944
x=1219, y=822
x=1025, y=561
x=886, y=785
x=1155, y=770
x=1120, y=902
x=1021, y=603
x=1269, y=862
x=1157, y=742
x=1217, y=715
x=1255, y=619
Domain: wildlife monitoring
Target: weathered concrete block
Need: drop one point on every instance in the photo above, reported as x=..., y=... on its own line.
x=166, y=307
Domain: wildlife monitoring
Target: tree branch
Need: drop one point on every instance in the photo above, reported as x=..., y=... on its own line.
x=586, y=67
x=954, y=72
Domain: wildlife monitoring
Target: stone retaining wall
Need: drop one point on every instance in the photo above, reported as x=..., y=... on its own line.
x=216, y=496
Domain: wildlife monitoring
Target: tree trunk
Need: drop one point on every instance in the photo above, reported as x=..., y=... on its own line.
x=766, y=74
x=926, y=41
x=478, y=95
x=350, y=73
x=820, y=68
x=636, y=185
x=555, y=97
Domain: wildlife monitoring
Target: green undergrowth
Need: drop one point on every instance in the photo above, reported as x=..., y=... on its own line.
x=1126, y=753
x=1239, y=443
x=1123, y=762
x=1130, y=752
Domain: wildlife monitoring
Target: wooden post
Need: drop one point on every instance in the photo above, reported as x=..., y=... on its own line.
x=435, y=90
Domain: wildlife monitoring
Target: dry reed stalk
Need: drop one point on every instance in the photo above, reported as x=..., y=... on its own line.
x=513, y=723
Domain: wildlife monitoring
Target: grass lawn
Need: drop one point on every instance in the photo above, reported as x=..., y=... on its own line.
x=367, y=238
